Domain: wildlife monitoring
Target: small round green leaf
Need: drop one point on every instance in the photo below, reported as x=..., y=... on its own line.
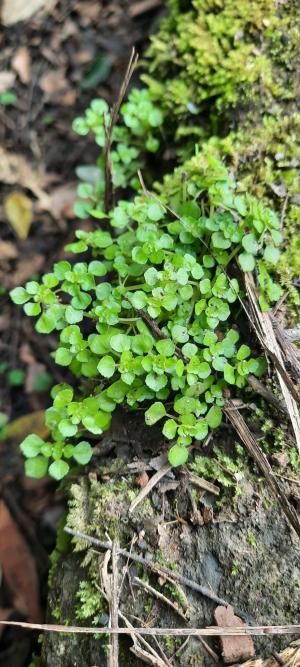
x=250, y=244
x=180, y=333
x=106, y=366
x=36, y=467
x=120, y=343
x=214, y=417
x=19, y=295
x=63, y=356
x=247, y=261
x=31, y=446
x=177, y=455
x=58, y=469
x=272, y=254
x=165, y=347
x=83, y=452
x=169, y=429
x=154, y=413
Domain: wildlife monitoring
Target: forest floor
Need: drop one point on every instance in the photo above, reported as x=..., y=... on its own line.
x=51, y=65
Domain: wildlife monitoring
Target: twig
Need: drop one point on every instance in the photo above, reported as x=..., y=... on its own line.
x=160, y=596
x=160, y=570
x=151, y=655
x=209, y=650
x=114, y=651
x=149, y=486
x=157, y=332
x=261, y=460
x=108, y=197
x=257, y=386
x=213, y=631
x=287, y=478
x=134, y=634
x=265, y=333
x=203, y=484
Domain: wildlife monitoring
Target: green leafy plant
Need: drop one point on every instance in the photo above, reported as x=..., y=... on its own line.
x=148, y=315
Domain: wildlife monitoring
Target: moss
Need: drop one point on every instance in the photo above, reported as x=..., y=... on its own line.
x=204, y=59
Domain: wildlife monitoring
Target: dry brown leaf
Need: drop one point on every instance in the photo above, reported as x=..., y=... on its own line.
x=15, y=169
x=23, y=426
x=14, y=11
x=62, y=200
x=7, y=80
x=18, y=210
x=18, y=567
x=21, y=63
x=54, y=82
x=8, y=250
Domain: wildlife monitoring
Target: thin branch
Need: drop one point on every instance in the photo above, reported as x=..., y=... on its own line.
x=203, y=484
x=158, y=569
x=149, y=486
x=108, y=198
x=260, y=388
x=236, y=631
x=114, y=651
x=265, y=333
x=261, y=460
x=160, y=596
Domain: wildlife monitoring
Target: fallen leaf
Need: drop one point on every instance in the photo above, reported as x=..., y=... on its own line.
x=18, y=567
x=18, y=210
x=15, y=169
x=23, y=426
x=21, y=63
x=53, y=82
x=62, y=200
x=34, y=371
x=8, y=250
x=14, y=11
x=7, y=80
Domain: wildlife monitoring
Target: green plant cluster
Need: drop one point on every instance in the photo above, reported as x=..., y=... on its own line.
x=137, y=134
x=148, y=315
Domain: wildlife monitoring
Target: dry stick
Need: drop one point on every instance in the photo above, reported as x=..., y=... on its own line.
x=290, y=352
x=265, y=332
x=203, y=484
x=261, y=460
x=160, y=570
x=114, y=651
x=214, y=631
x=136, y=636
x=260, y=388
x=149, y=486
x=157, y=332
x=160, y=596
x=108, y=197
x=106, y=594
